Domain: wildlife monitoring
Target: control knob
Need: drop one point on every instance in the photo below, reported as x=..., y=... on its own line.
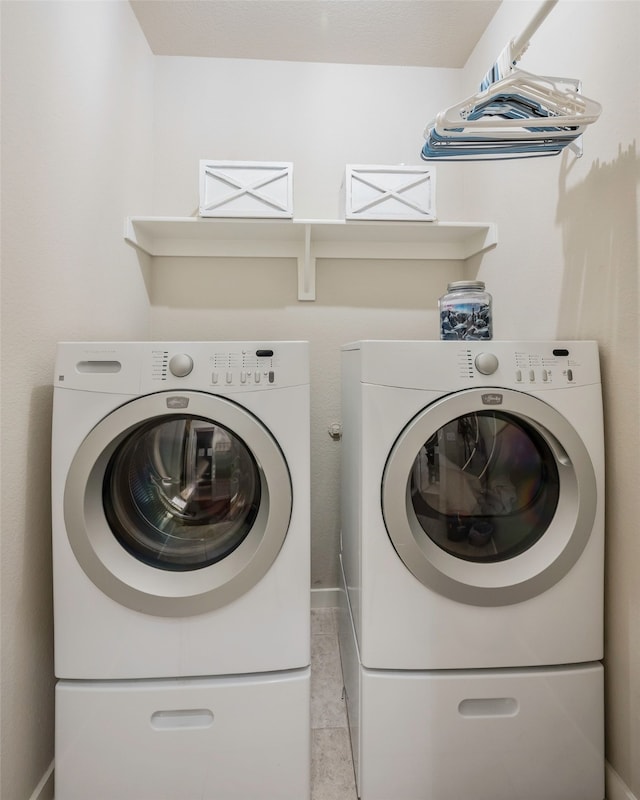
x=486, y=363
x=181, y=365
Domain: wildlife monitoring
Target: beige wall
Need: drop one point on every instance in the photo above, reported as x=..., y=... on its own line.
x=76, y=144
x=567, y=265
x=320, y=117
x=94, y=129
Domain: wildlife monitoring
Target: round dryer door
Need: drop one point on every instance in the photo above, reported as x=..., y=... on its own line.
x=177, y=504
x=489, y=497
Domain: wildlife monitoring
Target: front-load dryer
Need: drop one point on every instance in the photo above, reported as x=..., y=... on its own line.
x=472, y=558
x=180, y=503
x=472, y=500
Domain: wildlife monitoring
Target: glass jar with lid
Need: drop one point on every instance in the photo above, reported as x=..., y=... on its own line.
x=465, y=312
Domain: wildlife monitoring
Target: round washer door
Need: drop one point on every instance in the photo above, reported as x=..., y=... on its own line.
x=489, y=496
x=177, y=503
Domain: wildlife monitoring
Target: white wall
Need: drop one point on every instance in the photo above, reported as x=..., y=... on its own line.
x=321, y=117
x=567, y=265
x=76, y=146
x=84, y=136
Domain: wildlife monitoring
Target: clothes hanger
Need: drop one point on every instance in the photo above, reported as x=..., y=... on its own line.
x=489, y=144
x=515, y=114
x=486, y=149
x=523, y=115
x=508, y=125
x=530, y=97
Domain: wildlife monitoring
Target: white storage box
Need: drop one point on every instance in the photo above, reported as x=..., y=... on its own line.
x=246, y=189
x=390, y=192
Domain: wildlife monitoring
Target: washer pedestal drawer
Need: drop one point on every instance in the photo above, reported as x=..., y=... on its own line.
x=237, y=738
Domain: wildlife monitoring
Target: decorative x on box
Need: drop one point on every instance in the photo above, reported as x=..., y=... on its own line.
x=246, y=189
x=390, y=192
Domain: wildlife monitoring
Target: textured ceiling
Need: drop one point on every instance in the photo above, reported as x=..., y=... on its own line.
x=429, y=33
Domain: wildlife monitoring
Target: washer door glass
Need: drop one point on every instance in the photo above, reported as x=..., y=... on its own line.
x=485, y=486
x=489, y=496
x=177, y=503
x=181, y=493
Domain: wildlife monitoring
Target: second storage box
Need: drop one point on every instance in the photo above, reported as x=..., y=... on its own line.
x=389, y=192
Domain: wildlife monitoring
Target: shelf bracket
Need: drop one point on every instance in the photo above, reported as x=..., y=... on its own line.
x=307, y=269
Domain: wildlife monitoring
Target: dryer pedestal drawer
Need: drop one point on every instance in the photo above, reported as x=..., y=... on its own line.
x=486, y=734
x=237, y=738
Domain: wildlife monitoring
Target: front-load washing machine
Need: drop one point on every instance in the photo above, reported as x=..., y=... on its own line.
x=180, y=503
x=472, y=546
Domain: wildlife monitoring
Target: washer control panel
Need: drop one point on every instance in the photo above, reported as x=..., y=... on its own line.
x=133, y=368
x=220, y=368
x=250, y=367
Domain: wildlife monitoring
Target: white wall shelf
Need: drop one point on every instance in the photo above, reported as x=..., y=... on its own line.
x=307, y=240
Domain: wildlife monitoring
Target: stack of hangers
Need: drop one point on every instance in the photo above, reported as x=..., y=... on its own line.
x=518, y=116
x=515, y=114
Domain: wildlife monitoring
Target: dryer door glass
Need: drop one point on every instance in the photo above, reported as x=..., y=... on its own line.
x=181, y=493
x=489, y=497
x=485, y=486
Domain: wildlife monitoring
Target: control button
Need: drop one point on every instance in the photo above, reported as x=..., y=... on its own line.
x=257, y=377
x=486, y=363
x=570, y=374
x=272, y=376
x=229, y=377
x=243, y=377
x=519, y=375
x=181, y=365
x=532, y=375
x=214, y=377
x=545, y=375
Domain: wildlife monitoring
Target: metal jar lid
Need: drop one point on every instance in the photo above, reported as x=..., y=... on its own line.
x=456, y=286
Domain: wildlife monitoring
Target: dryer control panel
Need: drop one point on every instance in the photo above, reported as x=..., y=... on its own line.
x=522, y=366
x=448, y=366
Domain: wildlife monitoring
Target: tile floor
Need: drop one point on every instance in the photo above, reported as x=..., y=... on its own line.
x=332, y=775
